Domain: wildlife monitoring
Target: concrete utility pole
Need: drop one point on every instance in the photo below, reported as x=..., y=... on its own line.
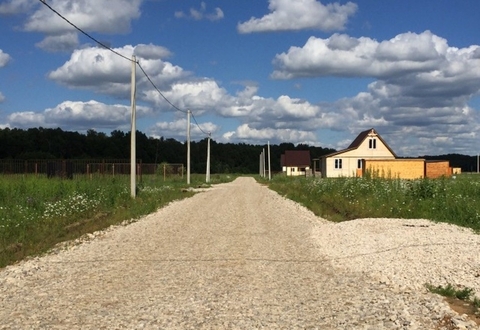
x=269, y=167
x=208, y=158
x=263, y=163
x=260, y=171
x=133, y=131
x=188, y=146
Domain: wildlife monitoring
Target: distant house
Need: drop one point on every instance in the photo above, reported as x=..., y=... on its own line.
x=350, y=161
x=296, y=162
x=370, y=153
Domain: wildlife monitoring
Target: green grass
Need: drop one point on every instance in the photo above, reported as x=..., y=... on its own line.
x=451, y=292
x=36, y=212
x=452, y=200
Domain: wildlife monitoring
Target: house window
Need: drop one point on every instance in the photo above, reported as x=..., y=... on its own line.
x=338, y=163
x=359, y=163
x=372, y=144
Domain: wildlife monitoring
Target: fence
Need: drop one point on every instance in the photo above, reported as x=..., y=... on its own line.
x=90, y=167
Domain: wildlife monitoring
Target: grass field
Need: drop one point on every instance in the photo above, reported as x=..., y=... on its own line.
x=453, y=200
x=36, y=212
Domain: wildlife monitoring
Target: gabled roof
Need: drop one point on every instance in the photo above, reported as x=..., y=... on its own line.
x=296, y=158
x=359, y=140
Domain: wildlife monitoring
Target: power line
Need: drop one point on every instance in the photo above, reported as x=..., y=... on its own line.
x=195, y=120
x=159, y=92
x=124, y=57
x=85, y=33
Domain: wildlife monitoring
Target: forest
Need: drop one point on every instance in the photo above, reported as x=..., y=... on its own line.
x=48, y=143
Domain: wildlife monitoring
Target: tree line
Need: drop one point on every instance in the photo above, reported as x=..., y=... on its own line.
x=47, y=143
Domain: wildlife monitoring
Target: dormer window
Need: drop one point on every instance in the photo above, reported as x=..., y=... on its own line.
x=372, y=143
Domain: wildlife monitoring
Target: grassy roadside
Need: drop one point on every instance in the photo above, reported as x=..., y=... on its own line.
x=36, y=213
x=452, y=200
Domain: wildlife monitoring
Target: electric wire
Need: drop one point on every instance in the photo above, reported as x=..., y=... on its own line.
x=158, y=90
x=128, y=59
x=85, y=33
x=201, y=130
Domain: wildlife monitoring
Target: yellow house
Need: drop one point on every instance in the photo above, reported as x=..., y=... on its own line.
x=350, y=162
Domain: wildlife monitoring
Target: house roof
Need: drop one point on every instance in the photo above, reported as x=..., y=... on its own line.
x=359, y=140
x=296, y=158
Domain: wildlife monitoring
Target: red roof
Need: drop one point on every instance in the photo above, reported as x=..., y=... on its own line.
x=296, y=158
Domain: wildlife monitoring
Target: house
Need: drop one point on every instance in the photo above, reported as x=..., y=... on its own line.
x=350, y=161
x=369, y=153
x=295, y=162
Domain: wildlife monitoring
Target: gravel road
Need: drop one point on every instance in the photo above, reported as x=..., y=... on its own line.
x=239, y=256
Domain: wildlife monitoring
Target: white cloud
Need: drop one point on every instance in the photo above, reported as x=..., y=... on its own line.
x=152, y=52
x=288, y=15
x=9, y=7
x=103, y=71
x=4, y=58
x=78, y=115
x=245, y=133
x=423, y=84
x=61, y=43
x=344, y=56
x=178, y=129
x=89, y=15
x=199, y=14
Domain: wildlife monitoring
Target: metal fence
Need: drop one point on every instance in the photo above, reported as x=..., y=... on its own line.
x=90, y=167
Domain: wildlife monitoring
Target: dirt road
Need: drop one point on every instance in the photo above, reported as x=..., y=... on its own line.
x=237, y=256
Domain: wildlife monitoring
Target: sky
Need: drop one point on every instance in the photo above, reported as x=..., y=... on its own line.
x=250, y=71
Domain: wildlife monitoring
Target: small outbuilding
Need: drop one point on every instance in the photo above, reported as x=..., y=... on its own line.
x=296, y=162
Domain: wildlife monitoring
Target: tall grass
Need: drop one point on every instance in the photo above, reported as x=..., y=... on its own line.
x=453, y=200
x=37, y=212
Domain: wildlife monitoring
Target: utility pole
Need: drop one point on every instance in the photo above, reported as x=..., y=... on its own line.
x=208, y=158
x=263, y=163
x=269, y=167
x=188, y=146
x=133, y=131
x=260, y=165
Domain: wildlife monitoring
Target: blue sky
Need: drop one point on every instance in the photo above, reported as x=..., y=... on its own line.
x=251, y=71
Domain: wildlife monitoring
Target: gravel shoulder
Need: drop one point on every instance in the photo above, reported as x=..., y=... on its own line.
x=239, y=256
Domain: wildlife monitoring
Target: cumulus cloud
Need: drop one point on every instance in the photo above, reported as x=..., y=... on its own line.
x=287, y=15
x=344, y=56
x=248, y=134
x=422, y=83
x=4, y=58
x=61, y=43
x=178, y=129
x=103, y=71
x=10, y=7
x=88, y=15
x=199, y=14
x=77, y=115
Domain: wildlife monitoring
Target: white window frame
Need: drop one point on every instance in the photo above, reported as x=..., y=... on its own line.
x=372, y=143
x=338, y=163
